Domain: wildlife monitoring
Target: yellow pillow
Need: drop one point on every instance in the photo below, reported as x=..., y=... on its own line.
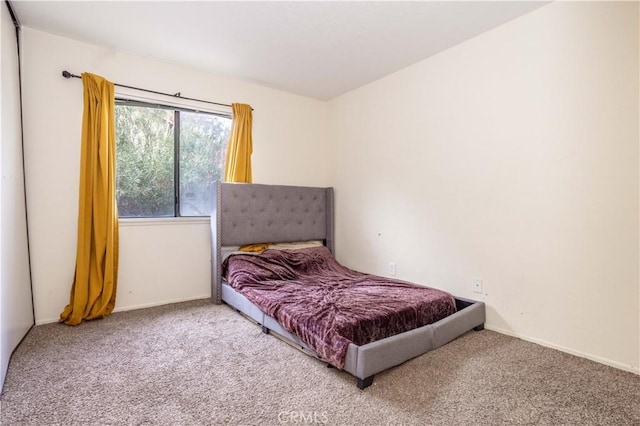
x=254, y=248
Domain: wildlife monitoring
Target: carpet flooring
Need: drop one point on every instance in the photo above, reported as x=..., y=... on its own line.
x=195, y=363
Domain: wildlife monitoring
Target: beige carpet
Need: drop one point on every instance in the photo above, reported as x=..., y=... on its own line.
x=196, y=363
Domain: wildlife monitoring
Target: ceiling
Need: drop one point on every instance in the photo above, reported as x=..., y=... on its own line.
x=315, y=49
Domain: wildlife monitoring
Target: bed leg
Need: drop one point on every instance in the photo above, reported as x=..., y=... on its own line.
x=265, y=330
x=479, y=327
x=364, y=383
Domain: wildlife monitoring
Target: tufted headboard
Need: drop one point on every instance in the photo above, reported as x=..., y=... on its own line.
x=255, y=213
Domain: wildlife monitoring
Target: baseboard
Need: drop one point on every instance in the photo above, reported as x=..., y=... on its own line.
x=605, y=361
x=134, y=307
x=165, y=302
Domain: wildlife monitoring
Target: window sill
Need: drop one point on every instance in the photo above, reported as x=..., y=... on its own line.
x=155, y=221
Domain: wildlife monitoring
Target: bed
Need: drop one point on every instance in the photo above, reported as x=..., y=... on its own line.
x=255, y=213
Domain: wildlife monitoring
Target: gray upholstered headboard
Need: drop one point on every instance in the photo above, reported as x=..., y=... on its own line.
x=255, y=213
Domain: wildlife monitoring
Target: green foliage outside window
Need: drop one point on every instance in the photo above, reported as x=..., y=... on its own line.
x=203, y=146
x=145, y=158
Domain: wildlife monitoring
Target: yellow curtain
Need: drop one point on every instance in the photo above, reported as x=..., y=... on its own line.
x=93, y=292
x=240, y=147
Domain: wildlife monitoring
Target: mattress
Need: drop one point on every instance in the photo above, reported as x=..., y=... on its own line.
x=329, y=306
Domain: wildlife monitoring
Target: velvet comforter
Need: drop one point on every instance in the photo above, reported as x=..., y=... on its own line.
x=329, y=306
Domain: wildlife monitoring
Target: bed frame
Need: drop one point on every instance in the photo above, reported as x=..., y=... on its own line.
x=254, y=213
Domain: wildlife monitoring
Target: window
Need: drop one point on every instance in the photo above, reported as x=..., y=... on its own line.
x=167, y=159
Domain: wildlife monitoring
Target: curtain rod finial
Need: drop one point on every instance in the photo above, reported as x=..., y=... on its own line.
x=66, y=74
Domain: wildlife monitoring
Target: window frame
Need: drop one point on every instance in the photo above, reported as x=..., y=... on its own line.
x=128, y=101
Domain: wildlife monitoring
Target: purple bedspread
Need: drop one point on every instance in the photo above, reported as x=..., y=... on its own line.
x=327, y=305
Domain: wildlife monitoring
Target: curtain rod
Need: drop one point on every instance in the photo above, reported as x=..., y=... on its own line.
x=67, y=74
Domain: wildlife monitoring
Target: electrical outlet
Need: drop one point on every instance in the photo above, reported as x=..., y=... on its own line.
x=392, y=269
x=477, y=286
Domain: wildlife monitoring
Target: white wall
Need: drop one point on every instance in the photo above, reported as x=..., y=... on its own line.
x=160, y=262
x=511, y=158
x=16, y=312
